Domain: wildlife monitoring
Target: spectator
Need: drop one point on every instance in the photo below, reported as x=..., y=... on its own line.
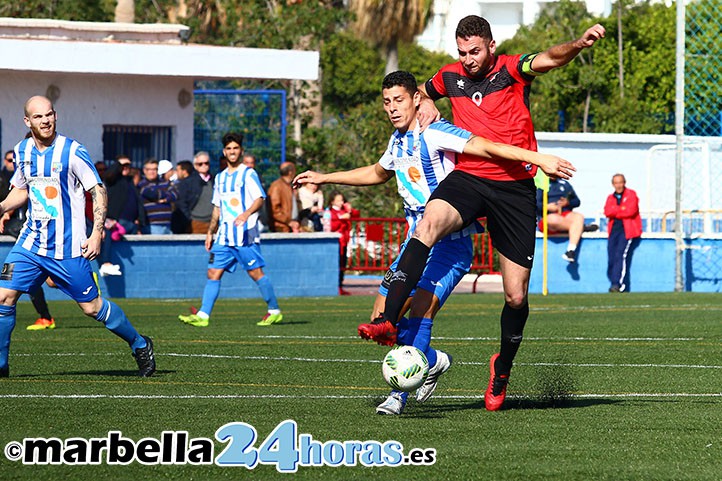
x=249, y=160
x=341, y=215
x=124, y=206
x=625, y=229
x=6, y=173
x=158, y=196
x=188, y=187
x=311, y=199
x=203, y=208
x=561, y=218
x=282, y=201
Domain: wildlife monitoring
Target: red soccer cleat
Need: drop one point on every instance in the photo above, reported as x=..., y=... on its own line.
x=496, y=391
x=379, y=330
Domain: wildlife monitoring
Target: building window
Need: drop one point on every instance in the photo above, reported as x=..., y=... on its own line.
x=139, y=142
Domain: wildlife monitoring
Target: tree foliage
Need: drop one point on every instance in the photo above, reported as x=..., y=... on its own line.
x=592, y=77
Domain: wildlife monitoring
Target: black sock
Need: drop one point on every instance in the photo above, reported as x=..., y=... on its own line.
x=411, y=266
x=38, y=300
x=512, y=327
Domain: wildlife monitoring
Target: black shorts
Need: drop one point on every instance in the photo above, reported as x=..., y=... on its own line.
x=509, y=208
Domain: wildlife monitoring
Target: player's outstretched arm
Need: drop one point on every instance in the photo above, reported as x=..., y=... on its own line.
x=427, y=113
x=562, y=54
x=15, y=199
x=368, y=175
x=550, y=164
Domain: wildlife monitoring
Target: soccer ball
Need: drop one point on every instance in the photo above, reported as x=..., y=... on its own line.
x=405, y=368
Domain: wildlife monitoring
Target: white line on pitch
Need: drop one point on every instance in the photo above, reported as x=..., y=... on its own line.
x=378, y=361
x=482, y=338
x=357, y=396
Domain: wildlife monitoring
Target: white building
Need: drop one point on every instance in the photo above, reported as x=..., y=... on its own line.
x=122, y=88
x=505, y=17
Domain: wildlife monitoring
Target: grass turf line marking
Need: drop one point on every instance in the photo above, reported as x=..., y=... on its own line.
x=378, y=361
x=332, y=396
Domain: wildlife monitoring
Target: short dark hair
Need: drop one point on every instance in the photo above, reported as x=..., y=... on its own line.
x=400, y=78
x=474, y=25
x=9, y=152
x=232, y=137
x=186, y=165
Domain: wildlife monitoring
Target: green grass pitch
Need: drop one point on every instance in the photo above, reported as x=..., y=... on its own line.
x=605, y=387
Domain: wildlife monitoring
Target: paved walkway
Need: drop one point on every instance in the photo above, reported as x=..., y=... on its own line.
x=368, y=285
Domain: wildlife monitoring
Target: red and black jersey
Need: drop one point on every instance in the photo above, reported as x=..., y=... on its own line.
x=495, y=107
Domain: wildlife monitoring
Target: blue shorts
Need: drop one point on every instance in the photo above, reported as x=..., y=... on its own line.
x=24, y=271
x=449, y=260
x=229, y=257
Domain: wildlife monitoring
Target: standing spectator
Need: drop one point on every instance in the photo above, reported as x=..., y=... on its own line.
x=158, y=196
x=233, y=238
x=125, y=207
x=188, y=188
x=625, y=229
x=249, y=160
x=6, y=173
x=561, y=200
x=53, y=240
x=311, y=199
x=282, y=201
x=202, y=209
x=341, y=215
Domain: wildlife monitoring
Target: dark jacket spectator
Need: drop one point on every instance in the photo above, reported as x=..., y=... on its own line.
x=189, y=187
x=124, y=201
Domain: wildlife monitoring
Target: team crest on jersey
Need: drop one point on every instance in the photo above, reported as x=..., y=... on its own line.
x=56, y=167
x=460, y=83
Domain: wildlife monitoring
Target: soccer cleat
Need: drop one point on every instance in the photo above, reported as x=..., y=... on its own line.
x=614, y=289
x=570, y=256
x=269, y=319
x=379, y=330
x=110, y=270
x=496, y=391
x=42, y=324
x=194, y=320
x=145, y=358
x=5, y=371
x=443, y=363
x=393, y=405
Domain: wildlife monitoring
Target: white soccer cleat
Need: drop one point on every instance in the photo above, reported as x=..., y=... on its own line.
x=110, y=270
x=443, y=363
x=393, y=405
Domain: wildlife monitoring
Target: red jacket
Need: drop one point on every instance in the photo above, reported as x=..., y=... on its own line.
x=342, y=226
x=627, y=211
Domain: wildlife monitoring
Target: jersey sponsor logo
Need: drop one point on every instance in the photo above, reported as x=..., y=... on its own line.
x=87, y=290
x=251, y=262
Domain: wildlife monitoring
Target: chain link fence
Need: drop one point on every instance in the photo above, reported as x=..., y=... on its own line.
x=260, y=115
x=699, y=199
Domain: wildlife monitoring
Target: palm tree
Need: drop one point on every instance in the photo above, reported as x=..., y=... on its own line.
x=388, y=22
x=125, y=11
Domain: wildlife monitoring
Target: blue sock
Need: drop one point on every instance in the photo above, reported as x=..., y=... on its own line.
x=210, y=295
x=404, y=395
x=422, y=341
x=115, y=321
x=406, y=332
x=7, y=324
x=266, y=288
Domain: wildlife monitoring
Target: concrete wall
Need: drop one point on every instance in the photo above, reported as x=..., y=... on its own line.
x=299, y=265
x=87, y=102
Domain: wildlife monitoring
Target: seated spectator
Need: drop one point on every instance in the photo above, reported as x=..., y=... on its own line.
x=311, y=199
x=341, y=215
x=560, y=215
x=282, y=201
x=158, y=196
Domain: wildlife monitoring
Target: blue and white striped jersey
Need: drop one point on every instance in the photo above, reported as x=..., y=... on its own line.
x=421, y=161
x=56, y=180
x=233, y=193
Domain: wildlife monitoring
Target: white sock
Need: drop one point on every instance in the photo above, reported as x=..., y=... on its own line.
x=202, y=315
x=273, y=312
x=571, y=247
